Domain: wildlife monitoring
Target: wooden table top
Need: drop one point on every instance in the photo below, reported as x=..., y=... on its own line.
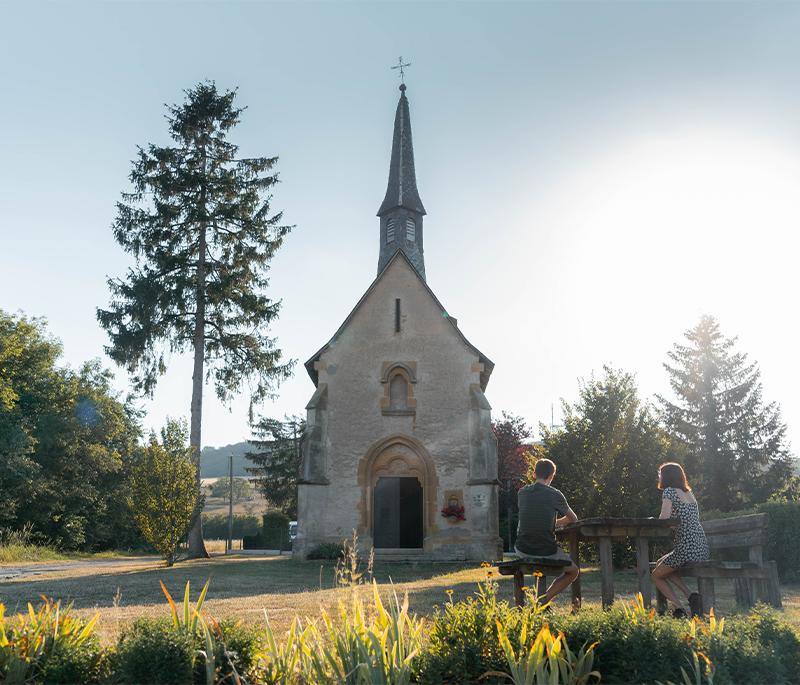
x=601, y=526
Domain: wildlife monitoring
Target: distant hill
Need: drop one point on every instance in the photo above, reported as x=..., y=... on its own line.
x=214, y=460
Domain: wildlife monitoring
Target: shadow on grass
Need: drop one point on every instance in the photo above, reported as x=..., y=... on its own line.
x=230, y=578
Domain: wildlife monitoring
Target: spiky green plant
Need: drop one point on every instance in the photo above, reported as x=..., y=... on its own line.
x=190, y=620
x=28, y=640
x=548, y=660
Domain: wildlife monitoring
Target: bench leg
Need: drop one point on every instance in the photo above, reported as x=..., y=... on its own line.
x=705, y=586
x=519, y=593
x=575, y=588
x=643, y=569
x=745, y=591
x=774, y=586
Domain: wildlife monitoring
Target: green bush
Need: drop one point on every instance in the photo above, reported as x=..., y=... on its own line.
x=783, y=544
x=275, y=534
x=49, y=645
x=634, y=646
x=215, y=526
x=237, y=650
x=155, y=651
x=328, y=551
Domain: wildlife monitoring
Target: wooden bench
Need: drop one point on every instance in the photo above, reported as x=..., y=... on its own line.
x=754, y=579
x=523, y=566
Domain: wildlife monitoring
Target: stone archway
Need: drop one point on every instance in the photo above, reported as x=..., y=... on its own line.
x=397, y=457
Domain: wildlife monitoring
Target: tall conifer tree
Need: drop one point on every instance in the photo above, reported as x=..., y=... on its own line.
x=736, y=443
x=277, y=460
x=198, y=223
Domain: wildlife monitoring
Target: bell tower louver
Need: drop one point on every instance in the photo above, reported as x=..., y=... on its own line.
x=401, y=212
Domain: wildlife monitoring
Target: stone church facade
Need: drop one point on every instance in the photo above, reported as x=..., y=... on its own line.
x=399, y=428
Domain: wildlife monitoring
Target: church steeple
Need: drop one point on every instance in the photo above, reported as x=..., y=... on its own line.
x=401, y=211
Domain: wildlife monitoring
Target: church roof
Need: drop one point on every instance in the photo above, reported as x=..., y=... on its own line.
x=488, y=364
x=401, y=190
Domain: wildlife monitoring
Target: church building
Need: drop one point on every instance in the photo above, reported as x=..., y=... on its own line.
x=399, y=444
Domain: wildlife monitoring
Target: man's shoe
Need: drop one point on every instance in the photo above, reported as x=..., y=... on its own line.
x=678, y=613
x=696, y=604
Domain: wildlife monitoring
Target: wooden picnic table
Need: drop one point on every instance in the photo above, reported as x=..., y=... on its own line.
x=603, y=530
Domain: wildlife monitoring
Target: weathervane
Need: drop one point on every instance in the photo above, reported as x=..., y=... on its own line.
x=401, y=65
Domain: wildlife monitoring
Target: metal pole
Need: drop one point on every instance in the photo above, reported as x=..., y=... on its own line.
x=229, y=545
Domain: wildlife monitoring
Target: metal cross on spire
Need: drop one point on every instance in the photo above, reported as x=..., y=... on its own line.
x=401, y=66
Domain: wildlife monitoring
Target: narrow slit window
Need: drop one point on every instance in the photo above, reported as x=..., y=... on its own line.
x=411, y=230
x=397, y=315
x=390, y=231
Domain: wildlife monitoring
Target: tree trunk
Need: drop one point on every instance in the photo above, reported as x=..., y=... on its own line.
x=197, y=547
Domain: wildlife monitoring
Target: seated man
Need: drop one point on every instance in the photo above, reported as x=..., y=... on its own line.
x=541, y=509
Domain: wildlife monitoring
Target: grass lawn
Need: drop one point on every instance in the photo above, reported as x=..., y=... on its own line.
x=244, y=586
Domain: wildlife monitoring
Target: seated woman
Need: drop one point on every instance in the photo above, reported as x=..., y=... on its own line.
x=691, y=545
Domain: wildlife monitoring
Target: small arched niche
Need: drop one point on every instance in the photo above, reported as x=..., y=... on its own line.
x=398, y=381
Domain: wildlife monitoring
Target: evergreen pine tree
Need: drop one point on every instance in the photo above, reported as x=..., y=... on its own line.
x=736, y=444
x=199, y=226
x=277, y=461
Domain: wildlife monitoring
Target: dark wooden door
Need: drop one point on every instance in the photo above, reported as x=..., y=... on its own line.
x=397, y=507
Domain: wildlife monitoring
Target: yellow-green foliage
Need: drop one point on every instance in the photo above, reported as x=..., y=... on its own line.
x=49, y=644
x=547, y=660
x=374, y=646
x=163, y=491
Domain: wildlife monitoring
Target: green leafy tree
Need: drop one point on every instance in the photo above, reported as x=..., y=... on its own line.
x=163, y=497
x=277, y=461
x=609, y=449
x=65, y=443
x=198, y=223
x=513, y=455
x=242, y=489
x=736, y=444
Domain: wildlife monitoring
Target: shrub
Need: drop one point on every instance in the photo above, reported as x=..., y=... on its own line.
x=635, y=646
x=155, y=651
x=275, y=534
x=49, y=645
x=328, y=551
x=215, y=526
x=783, y=545
x=237, y=652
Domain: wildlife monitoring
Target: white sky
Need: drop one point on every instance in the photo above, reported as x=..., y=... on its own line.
x=596, y=176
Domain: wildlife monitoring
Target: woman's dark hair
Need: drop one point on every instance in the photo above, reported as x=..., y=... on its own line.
x=672, y=475
x=544, y=468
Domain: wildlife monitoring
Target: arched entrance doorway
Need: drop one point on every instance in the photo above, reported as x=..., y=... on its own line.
x=397, y=518
x=398, y=493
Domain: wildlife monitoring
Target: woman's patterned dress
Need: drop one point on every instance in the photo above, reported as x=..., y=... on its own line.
x=690, y=540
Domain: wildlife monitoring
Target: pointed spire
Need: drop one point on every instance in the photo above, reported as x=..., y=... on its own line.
x=401, y=191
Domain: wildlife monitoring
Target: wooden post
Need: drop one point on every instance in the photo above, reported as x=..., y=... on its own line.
x=519, y=593
x=574, y=553
x=706, y=588
x=774, y=585
x=606, y=572
x=643, y=568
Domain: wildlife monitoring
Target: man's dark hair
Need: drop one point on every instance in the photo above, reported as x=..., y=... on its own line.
x=544, y=468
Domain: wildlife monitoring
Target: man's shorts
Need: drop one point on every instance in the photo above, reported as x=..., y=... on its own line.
x=560, y=555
